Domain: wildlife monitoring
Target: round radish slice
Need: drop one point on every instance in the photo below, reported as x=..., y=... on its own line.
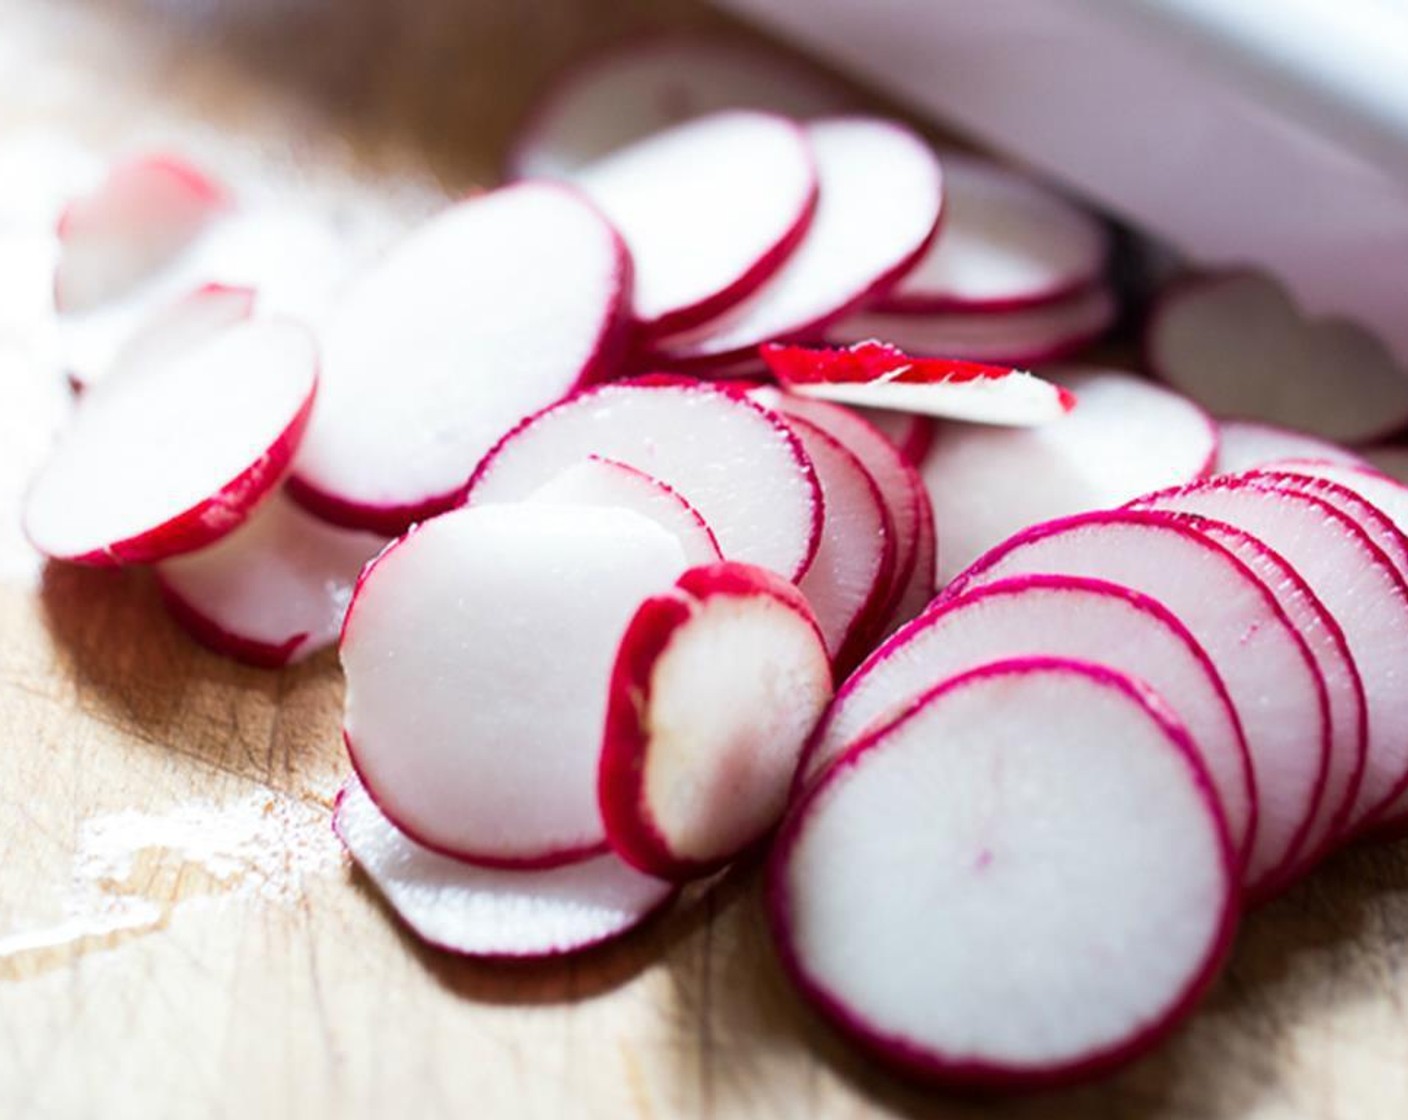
x=481, y=912
x=175, y=454
x=912, y=435
x=1125, y=437
x=1024, y=880
x=1263, y=660
x=496, y=308
x=627, y=94
x=1037, y=335
x=737, y=464
x=921, y=587
x=1392, y=461
x=1007, y=243
x=1375, y=501
x=709, y=211
x=881, y=193
x=273, y=591
x=1051, y=616
x=1242, y=446
x=478, y=651
x=1240, y=346
x=716, y=688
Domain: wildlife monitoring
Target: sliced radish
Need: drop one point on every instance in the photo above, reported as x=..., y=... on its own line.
x=1242, y=445
x=1052, y=616
x=1392, y=461
x=497, y=307
x=478, y=651
x=912, y=434
x=1376, y=502
x=175, y=454
x=1037, y=335
x=1007, y=243
x=481, y=912
x=737, y=464
x=1264, y=661
x=1240, y=346
x=716, y=687
x=605, y=482
x=877, y=375
x=623, y=95
x=1127, y=436
x=881, y=193
x=1024, y=880
x=922, y=585
x=709, y=210
x=273, y=591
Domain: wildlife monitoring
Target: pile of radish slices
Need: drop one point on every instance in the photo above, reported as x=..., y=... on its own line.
x=625, y=490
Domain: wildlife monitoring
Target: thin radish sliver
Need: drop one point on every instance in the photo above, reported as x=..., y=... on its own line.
x=1378, y=503
x=912, y=435
x=1243, y=445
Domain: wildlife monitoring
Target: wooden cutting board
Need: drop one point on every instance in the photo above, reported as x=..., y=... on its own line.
x=179, y=935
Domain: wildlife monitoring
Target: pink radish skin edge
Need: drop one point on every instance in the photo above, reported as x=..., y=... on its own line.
x=201, y=186
x=924, y=1065
x=214, y=637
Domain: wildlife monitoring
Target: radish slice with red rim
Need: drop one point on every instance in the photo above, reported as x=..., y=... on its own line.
x=485, y=912
x=175, y=454
x=921, y=587
x=912, y=435
x=716, y=687
x=548, y=281
x=1376, y=502
x=1017, y=784
x=1243, y=445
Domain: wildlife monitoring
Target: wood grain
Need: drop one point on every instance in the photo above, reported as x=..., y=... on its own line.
x=179, y=936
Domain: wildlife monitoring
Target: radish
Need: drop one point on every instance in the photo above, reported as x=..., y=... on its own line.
x=1376, y=502
x=716, y=687
x=1030, y=337
x=1264, y=662
x=1023, y=880
x=878, y=375
x=1243, y=445
x=1007, y=244
x=482, y=912
x=1239, y=345
x=881, y=194
x=175, y=454
x=912, y=434
x=737, y=464
x=497, y=307
x=272, y=592
x=478, y=650
x=626, y=94
x=1126, y=437
x=1051, y=616
x=709, y=210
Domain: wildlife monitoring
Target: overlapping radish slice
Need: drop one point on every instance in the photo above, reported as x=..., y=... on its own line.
x=709, y=210
x=1126, y=437
x=735, y=462
x=715, y=689
x=621, y=96
x=1263, y=660
x=176, y=453
x=877, y=375
x=912, y=435
x=1051, y=616
x=486, y=912
x=272, y=592
x=1030, y=337
x=494, y=309
x=1007, y=243
x=1243, y=445
x=1240, y=346
x=478, y=650
x=924, y=895
x=881, y=194
x=1378, y=504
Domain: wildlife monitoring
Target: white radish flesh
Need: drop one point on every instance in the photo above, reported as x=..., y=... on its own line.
x=1376, y=502
x=1243, y=445
x=912, y=435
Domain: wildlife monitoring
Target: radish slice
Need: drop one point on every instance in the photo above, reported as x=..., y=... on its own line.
x=912, y=434
x=174, y=455
x=1392, y=461
x=627, y=94
x=1041, y=334
x=709, y=210
x=1264, y=661
x=604, y=482
x=1376, y=502
x=1024, y=880
x=881, y=193
x=495, y=308
x=1007, y=243
x=1242, y=446
x=877, y=375
x=272, y=592
x=1126, y=437
x=737, y=464
x=1051, y=616
x=1240, y=346
x=716, y=687
x=478, y=650
x=921, y=587
x=480, y=912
